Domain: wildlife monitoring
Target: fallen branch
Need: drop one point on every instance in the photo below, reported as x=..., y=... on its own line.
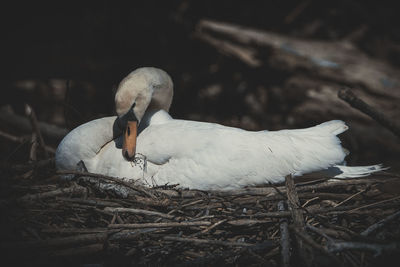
x=338, y=61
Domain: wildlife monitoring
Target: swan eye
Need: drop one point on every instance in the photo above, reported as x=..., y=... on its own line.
x=128, y=130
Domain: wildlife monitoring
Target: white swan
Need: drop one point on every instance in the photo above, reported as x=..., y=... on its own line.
x=193, y=154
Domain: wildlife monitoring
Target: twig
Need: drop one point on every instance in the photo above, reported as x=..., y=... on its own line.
x=21, y=140
x=374, y=204
x=348, y=96
x=35, y=126
x=380, y=224
x=306, y=238
x=74, y=230
x=285, y=241
x=246, y=54
x=207, y=242
x=109, y=178
x=296, y=11
x=91, y=202
x=350, y=197
x=374, y=247
x=248, y=222
x=158, y=225
x=139, y=211
x=74, y=189
x=34, y=146
x=209, y=228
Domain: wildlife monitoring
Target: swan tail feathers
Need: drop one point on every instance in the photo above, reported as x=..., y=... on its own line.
x=340, y=171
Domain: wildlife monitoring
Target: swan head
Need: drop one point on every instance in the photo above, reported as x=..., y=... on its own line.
x=144, y=89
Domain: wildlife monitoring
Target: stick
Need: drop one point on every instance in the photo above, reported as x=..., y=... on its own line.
x=294, y=202
x=158, y=225
x=74, y=230
x=247, y=222
x=213, y=226
x=357, y=103
x=91, y=202
x=21, y=140
x=350, y=197
x=139, y=211
x=74, y=189
x=374, y=204
x=109, y=178
x=380, y=224
x=297, y=216
x=374, y=247
x=207, y=242
x=32, y=117
x=269, y=192
x=285, y=241
x=34, y=146
x=306, y=238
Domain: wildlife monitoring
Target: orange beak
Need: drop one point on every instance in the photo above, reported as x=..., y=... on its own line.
x=129, y=144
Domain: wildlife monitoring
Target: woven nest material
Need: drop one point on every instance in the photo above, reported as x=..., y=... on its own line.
x=100, y=220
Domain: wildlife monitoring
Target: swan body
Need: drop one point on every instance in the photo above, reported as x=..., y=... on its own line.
x=198, y=155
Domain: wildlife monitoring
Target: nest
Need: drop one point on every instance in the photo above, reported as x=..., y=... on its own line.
x=95, y=219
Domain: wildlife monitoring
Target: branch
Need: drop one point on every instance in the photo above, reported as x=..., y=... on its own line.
x=337, y=61
x=357, y=103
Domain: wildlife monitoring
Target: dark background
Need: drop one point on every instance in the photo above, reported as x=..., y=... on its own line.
x=92, y=45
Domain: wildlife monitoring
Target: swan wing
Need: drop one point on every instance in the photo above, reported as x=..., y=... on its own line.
x=211, y=156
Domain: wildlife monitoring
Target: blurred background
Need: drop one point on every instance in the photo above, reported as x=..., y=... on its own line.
x=66, y=59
